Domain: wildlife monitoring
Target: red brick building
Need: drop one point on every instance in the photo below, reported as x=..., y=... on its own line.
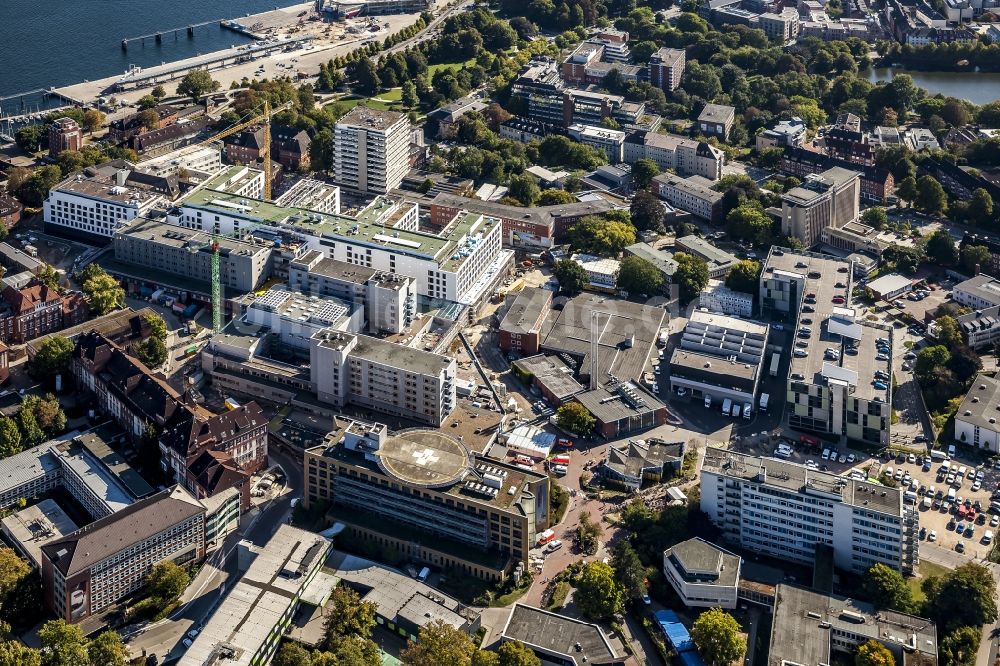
x=10, y=210
x=521, y=328
x=289, y=146
x=64, y=134
x=38, y=310
x=126, y=128
x=877, y=184
x=4, y=363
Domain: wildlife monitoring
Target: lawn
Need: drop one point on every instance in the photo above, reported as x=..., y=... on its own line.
x=927, y=570
x=433, y=69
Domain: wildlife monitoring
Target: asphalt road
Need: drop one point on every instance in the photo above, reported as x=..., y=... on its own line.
x=208, y=589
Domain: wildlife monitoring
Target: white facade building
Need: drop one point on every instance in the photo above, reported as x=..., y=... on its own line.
x=785, y=510
x=977, y=421
x=608, y=140
x=371, y=150
x=717, y=297
x=601, y=272
x=979, y=292
x=702, y=574
x=206, y=159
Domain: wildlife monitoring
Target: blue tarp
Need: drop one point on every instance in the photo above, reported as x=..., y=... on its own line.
x=676, y=633
x=690, y=658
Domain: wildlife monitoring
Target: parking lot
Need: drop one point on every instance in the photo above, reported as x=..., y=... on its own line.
x=935, y=520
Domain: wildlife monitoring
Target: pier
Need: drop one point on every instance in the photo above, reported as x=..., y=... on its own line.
x=34, y=103
x=157, y=37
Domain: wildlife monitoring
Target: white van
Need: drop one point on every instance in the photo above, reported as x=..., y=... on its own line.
x=951, y=494
x=945, y=467
x=910, y=497
x=930, y=491
x=424, y=573
x=926, y=504
x=951, y=450
x=988, y=537
x=961, y=472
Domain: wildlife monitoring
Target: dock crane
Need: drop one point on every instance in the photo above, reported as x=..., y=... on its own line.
x=265, y=154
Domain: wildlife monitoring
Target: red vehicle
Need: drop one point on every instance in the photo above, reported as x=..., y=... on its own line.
x=810, y=441
x=546, y=536
x=961, y=511
x=838, y=299
x=560, y=460
x=565, y=443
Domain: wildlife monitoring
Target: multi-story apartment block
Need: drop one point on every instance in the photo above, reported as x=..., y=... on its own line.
x=389, y=301
x=371, y=150
x=462, y=262
x=64, y=134
x=828, y=199
x=203, y=159
x=592, y=60
x=877, y=185
x=833, y=388
x=694, y=195
x=125, y=389
x=239, y=434
x=91, y=569
x=786, y=510
x=609, y=141
x=96, y=202
x=666, y=68
x=386, y=377
x=293, y=318
x=686, y=157
x=978, y=293
x=520, y=330
x=976, y=422
x=37, y=310
x=10, y=211
x=430, y=497
x=981, y=328
x=783, y=27
x=244, y=265
x=716, y=120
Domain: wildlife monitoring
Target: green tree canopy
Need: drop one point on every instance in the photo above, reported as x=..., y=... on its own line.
x=887, y=589
x=906, y=189
x=151, y=351
x=598, y=594
x=167, y=581
x=350, y=616
x=931, y=197
x=574, y=417
x=629, y=571
x=158, y=327
x=875, y=217
x=524, y=188
x=973, y=257
x=601, y=236
x=554, y=196
x=749, y=222
x=642, y=172
x=16, y=653
x=63, y=644
x=647, y=211
x=638, y=276
x=13, y=569
x=959, y=647
x=10, y=437
x=196, y=84
x=516, y=653
x=439, y=643
x=103, y=293
x=963, y=597
x=691, y=275
x=941, y=249
x=108, y=650
x=572, y=278
x=717, y=636
x=53, y=357
x=744, y=276
x=292, y=654
x=981, y=206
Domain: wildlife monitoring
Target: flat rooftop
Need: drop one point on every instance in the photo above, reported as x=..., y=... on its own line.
x=804, y=621
x=627, y=333
x=715, y=257
x=32, y=528
x=525, y=311
x=705, y=563
x=398, y=356
x=171, y=235
x=614, y=402
x=559, y=634
x=552, y=373
x=796, y=478
x=424, y=458
x=258, y=601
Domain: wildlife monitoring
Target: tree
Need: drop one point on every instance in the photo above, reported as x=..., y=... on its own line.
x=16, y=653
x=629, y=571
x=906, y=189
x=29, y=138
x=356, y=651
x=948, y=333
x=49, y=277
x=572, y=278
x=159, y=92
x=13, y=569
x=93, y=119
x=47, y=413
x=959, y=648
x=601, y=236
x=964, y=597
x=980, y=206
x=638, y=276
x=52, y=358
x=292, y=654
x=151, y=351
x=10, y=437
x=873, y=653
x=103, y=293
x=167, y=581
x=408, y=96
x=941, y=248
x=929, y=358
x=691, y=275
x=31, y=433
x=524, y=188
x=975, y=257
x=574, y=417
x=749, y=222
x=108, y=650
x=554, y=196
x=365, y=73
x=647, y=211
x=642, y=172
x=196, y=84
x=149, y=119
x=516, y=653
x=717, y=636
x=887, y=589
x=439, y=643
x=598, y=594
x=744, y=276
x=588, y=534
x=37, y=188
x=349, y=616
x=321, y=151
x=157, y=327
x=63, y=644
x=147, y=102
x=931, y=197
x=875, y=217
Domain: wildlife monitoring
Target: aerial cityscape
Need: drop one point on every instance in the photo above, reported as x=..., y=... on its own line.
x=471, y=333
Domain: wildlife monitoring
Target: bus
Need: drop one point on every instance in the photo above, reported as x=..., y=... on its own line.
x=775, y=360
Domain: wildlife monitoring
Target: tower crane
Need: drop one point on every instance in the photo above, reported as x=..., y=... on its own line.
x=265, y=154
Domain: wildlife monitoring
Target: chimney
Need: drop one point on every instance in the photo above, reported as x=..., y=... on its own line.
x=976, y=271
x=120, y=177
